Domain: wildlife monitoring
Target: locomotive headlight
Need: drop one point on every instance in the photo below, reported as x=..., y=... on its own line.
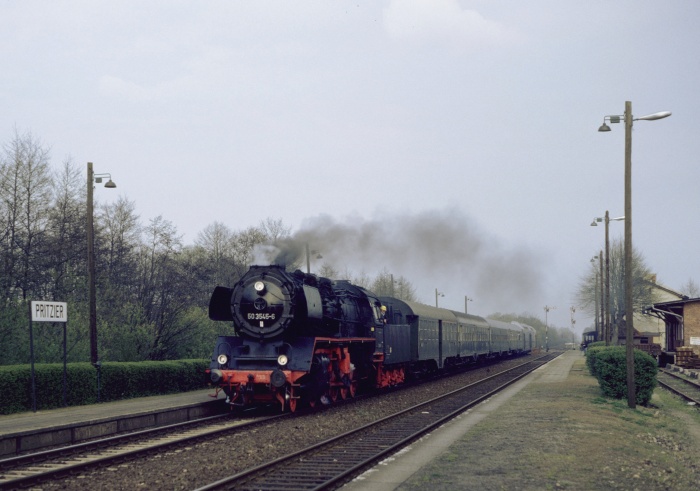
x=259, y=287
x=282, y=360
x=222, y=359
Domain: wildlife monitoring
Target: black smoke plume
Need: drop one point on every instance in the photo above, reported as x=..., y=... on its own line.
x=432, y=249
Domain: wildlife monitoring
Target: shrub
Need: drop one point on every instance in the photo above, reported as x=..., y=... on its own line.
x=611, y=371
x=117, y=381
x=596, y=344
x=592, y=352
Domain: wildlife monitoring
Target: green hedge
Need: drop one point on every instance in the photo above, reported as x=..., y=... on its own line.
x=591, y=351
x=117, y=381
x=609, y=366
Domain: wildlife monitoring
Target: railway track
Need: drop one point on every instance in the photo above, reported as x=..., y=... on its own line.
x=52, y=465
x=335, y=461
x=685, y=388
x=28, y=470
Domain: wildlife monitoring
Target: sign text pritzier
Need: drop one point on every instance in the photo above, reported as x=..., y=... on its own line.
x=49, y=311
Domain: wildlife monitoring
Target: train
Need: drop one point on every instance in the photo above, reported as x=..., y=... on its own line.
x=302, y=340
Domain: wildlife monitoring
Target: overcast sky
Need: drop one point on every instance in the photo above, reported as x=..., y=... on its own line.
x=452, y=142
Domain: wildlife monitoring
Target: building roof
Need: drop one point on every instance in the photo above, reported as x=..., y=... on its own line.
x=664, y=293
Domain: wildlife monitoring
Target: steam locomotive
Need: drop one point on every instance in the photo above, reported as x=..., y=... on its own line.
x=304, y=340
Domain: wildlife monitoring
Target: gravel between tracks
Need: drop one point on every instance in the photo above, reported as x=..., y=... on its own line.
x=203, y=463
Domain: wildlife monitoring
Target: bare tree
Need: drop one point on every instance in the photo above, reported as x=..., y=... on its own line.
x=642, y=292
x=274, y=229
x=404, y=290
x=161, y=286
x=244, y=243
x=386, y=285
x=328, y=271
x=691, y=289
x=25, y=191
x=216, y=243
x=119, y=237
x=65, y=251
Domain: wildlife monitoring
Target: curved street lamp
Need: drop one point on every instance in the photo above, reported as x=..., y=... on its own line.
x=629, y=311
x=606, y=301
x=92, y=302
x=547, y=308
x=467, y=299
x=438, y=294
x=308, y=257
x=598, y=327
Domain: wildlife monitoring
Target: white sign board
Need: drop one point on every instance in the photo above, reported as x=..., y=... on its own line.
x=49, y=311
x=694, y=341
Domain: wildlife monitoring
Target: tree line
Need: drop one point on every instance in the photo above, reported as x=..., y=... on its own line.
x=152, y=289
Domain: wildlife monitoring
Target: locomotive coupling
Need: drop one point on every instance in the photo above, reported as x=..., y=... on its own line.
x=277, y=378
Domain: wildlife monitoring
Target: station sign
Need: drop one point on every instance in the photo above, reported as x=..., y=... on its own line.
x=49, y=311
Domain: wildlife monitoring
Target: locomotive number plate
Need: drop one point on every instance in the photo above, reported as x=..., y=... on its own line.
x=258, y=316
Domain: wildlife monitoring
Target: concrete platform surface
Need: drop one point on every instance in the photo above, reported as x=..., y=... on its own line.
x=14, y=423
x=409, y=463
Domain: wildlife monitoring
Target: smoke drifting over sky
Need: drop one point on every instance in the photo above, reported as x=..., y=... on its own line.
x=432, y=249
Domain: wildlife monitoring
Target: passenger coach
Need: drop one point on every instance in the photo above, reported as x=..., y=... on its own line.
x=434, y=338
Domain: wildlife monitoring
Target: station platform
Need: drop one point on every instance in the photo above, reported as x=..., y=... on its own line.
x=553, y=429
x=35, y=430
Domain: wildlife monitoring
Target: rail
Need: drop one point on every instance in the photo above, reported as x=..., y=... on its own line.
x=336, y=460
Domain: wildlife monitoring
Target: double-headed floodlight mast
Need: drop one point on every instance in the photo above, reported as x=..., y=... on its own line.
x=648, y=117
x=629, y=311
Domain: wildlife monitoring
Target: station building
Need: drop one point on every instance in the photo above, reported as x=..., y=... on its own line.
x=681, y=320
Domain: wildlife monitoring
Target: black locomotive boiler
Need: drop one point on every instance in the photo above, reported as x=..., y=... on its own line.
x=304, y=339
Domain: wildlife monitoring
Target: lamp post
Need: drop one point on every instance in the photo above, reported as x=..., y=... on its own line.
x=629, y=311
x=92, y=302
x=467, y=299
x=603, y=332
x=438, y=294
x=598, y=327
x=547, y=308
x=607, y=302
x=308, y=258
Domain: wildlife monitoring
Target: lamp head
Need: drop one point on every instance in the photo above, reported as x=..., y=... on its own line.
x=652, y=117
x=98, y=179
x=604, y=127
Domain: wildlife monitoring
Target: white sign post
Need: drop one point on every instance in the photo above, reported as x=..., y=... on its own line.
x=43, y=311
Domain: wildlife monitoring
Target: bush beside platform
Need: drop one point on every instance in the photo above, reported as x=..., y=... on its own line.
x=609, y=365
x=117, y=381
